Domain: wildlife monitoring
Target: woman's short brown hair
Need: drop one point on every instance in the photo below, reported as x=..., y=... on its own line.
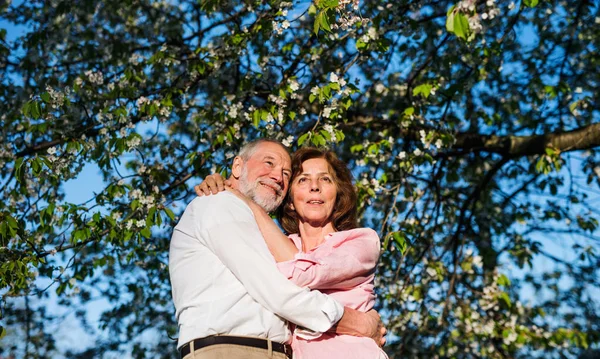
x=344, y=212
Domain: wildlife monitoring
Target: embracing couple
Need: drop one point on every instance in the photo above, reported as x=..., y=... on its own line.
x=243, y=289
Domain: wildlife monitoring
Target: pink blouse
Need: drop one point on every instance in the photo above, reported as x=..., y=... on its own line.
x=342, y=267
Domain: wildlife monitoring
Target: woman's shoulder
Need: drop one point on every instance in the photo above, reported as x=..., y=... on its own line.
x=362, y=234
x=358, y=232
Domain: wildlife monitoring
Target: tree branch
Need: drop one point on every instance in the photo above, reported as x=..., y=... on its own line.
x=581, y=138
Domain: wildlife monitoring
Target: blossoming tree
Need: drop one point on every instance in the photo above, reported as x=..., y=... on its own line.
x=471, y=126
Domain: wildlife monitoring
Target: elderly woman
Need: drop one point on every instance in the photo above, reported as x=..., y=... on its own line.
x=327, y=251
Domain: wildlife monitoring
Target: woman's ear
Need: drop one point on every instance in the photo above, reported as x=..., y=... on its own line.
x=236, y=169
x=291, y=205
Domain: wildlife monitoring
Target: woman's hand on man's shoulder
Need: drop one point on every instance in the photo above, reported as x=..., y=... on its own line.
x=212, y=184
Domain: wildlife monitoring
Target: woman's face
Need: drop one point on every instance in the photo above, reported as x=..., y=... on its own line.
x=314, y=192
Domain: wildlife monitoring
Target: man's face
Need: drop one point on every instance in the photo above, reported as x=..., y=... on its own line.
x=265, y=176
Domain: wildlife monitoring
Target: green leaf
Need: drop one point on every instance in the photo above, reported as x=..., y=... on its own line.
x=573, y=106
x=424, y=89
x=26, y=110
x=317, y=23
x=461, y=26
x=256, y=118
x=322, y=21
x=326, y=134
x=146, y=233
x=328, y=4
x=170, y=214
x=36, y=110
x=504, y=296
x=13, y=225
x=361, y=45
x=2, y=332
x=503, y=280
x=3, y=227
x=399, y=241
x=303, y=138
x=450, y=19
x=46, y=97
x=318, y=140
x=530, y=3
x=19, y=169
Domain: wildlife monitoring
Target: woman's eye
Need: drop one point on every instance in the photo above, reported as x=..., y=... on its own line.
x=300, y=180
x=327, y=179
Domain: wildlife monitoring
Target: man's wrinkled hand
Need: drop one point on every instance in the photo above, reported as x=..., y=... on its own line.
x=212, y=184
x=379, y=331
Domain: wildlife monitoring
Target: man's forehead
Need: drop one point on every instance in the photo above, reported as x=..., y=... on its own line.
x=272, y=150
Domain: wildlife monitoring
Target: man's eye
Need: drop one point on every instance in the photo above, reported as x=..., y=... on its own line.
x=270, y=163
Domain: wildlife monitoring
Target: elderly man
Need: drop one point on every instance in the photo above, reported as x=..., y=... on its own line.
x=230, y=299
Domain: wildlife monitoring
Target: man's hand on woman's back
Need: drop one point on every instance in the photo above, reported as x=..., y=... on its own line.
x=361, y=324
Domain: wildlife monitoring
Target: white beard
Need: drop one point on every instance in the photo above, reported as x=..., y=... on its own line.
x=268, y=202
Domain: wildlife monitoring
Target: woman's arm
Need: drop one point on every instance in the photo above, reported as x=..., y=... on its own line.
x=351, y=262
x=281, y=247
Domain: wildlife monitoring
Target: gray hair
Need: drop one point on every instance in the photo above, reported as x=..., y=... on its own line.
x=250, y=148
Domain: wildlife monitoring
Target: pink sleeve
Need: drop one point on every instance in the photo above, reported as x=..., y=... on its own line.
x=345, y=264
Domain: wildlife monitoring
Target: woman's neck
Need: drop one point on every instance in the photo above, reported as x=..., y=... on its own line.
x=312, y=236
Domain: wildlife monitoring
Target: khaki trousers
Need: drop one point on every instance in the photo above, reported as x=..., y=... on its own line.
x=232, y=351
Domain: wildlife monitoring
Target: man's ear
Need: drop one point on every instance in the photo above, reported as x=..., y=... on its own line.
x=236, y=168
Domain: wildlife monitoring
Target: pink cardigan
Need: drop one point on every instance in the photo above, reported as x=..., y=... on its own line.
x=342, y=267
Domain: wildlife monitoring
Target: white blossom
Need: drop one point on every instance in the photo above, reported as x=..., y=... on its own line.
x=95, y=77
x=129, y=224
x=135, y=194
x=287, y=142
x=372, y=33
x=294, y=86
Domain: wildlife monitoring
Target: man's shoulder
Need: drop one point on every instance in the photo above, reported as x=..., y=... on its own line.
x=223, y=207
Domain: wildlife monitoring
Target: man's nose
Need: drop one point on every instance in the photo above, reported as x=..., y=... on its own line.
x=277, y=176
